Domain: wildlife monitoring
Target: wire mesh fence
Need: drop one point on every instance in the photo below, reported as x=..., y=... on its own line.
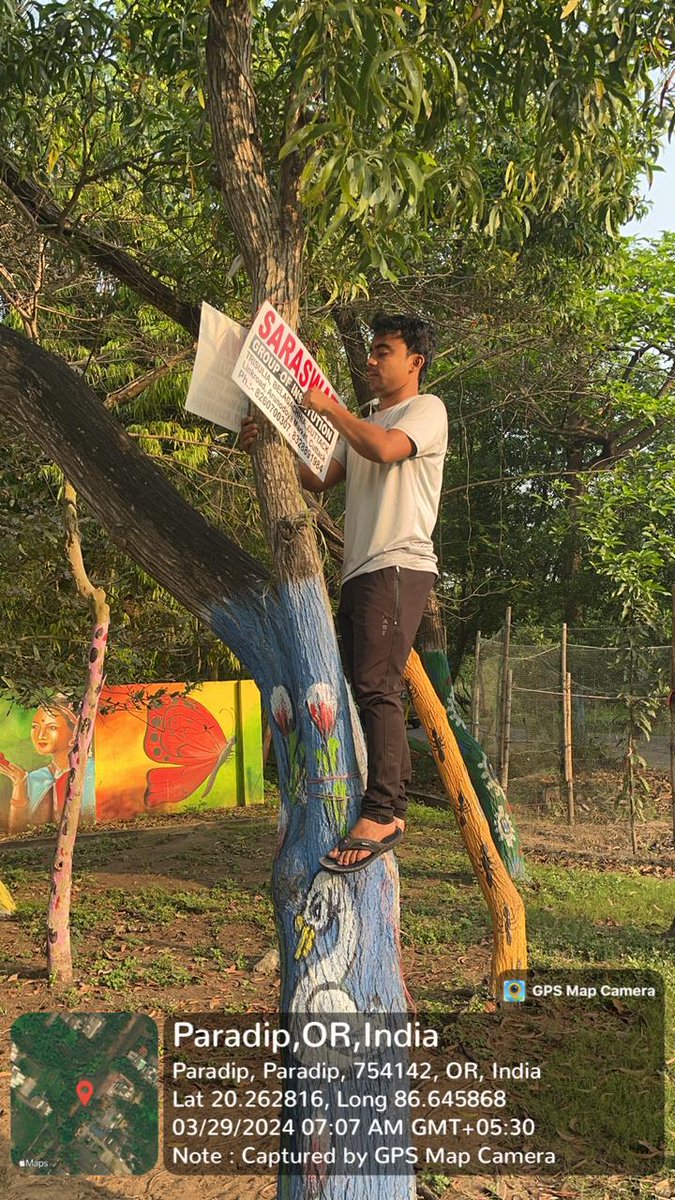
x=523, y=718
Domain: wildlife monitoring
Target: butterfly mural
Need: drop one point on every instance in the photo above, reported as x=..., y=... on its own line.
x=187, y=739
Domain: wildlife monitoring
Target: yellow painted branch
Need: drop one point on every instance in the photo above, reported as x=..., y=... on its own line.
x=509, y=951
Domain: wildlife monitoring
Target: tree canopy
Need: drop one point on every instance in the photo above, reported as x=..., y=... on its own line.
x=483, y=154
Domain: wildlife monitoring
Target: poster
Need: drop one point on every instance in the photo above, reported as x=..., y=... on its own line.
x=275, y=369
x=212, y=393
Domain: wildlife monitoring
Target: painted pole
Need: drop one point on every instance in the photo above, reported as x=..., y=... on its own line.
x=431, y=646
x=509, y=951
x=7, y=904
x=59, y=956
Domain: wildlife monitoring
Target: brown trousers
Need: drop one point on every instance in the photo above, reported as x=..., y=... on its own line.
x=378, y=618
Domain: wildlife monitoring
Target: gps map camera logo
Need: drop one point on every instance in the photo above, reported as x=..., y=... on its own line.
x=514, y=991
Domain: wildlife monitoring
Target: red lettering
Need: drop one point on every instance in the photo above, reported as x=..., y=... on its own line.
x=305, y=373
x=287, y=349
x=275, y=341
x=297, y=363
x=316, y=380
x=265, y=326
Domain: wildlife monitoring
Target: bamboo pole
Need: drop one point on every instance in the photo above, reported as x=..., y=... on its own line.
x=504, y=777
x=506, y=647
x=563, y=693
x=630, y=756
x=569, y=761
x=509, y=947
x=672, y=710
x=475, y=694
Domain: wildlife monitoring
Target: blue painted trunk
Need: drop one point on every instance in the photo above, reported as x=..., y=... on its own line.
x=338, y=935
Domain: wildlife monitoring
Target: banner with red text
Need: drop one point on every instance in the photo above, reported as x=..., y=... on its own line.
x=275, y=369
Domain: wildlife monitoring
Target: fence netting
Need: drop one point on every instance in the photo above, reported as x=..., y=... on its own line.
x=603, y=678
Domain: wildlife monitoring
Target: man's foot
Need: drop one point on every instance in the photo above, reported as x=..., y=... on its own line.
x=363, y=828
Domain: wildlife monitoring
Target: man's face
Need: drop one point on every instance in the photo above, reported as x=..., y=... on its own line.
x=390, y=364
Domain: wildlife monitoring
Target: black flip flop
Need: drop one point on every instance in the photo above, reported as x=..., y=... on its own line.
x=350, y=843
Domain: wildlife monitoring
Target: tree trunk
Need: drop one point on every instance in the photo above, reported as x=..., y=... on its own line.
x=335, y=955
x=349, y=329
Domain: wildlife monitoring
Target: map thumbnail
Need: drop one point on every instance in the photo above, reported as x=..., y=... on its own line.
x=84, y=1093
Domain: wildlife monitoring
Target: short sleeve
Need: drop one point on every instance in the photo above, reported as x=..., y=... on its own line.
x=426, y=424
x=340, y=452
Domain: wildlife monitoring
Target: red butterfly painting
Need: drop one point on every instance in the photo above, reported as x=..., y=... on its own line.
x=183, y=733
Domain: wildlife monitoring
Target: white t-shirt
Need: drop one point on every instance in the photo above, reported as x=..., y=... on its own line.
x=391, y=508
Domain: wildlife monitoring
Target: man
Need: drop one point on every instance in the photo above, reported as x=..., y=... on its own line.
x=393, y=464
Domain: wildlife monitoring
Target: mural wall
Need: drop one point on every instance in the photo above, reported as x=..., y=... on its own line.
x=157, y=749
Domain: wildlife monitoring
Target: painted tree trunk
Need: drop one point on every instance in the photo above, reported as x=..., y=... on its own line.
x=339, y=943
x=59, y=953
x=338, y=936
x=491, y=796
x=7, y=905
x=506, y=906
x=59, y=956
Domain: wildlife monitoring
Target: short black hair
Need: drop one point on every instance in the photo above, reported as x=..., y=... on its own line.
x=417, y=334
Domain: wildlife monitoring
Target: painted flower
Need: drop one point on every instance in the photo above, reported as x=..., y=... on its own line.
x=322, y=704
x=282, y=709
x=505, y=826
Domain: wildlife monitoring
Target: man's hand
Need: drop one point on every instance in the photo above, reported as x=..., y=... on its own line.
x=319, y=402
x=249, y=432
x=370, y=441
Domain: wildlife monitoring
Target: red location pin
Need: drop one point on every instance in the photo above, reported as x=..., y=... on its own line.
x=85, y=1091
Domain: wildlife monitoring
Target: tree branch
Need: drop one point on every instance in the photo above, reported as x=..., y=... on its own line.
x=247, y=192
x=606, y=461
x=142, y=513
x=129, y=392
x=349, y=329
x=50, y=217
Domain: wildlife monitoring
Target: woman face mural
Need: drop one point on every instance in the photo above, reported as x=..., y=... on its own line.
x=38, y=795
x=52, y=732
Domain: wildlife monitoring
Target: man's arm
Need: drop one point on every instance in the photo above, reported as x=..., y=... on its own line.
x=370, y=441
x=311, y=482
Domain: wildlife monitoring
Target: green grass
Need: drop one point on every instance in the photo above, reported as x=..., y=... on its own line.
x=223, y=960
x=119, y=975
x=576, y=918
